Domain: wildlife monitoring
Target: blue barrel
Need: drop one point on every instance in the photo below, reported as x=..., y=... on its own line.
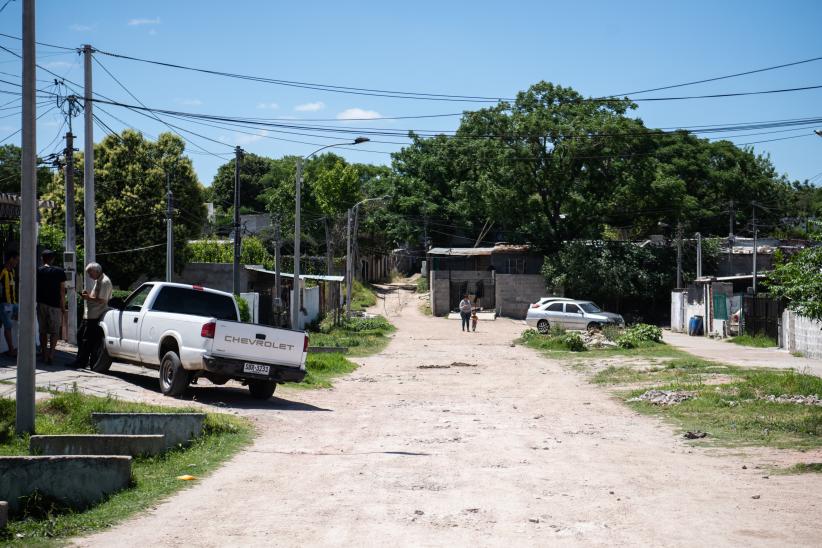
x=695, y=326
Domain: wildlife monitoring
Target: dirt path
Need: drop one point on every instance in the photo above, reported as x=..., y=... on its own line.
x=743, y=356
x=510, y=450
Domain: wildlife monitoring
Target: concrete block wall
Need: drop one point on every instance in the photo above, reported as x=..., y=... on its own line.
x=440, y=287
x=217, y=276
x=801, y=334
x=679, y=302
x=516, y=292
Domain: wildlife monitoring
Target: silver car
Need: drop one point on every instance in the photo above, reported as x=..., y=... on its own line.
x=571, y=314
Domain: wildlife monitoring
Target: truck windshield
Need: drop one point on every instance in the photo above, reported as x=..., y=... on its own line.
x=182, y=300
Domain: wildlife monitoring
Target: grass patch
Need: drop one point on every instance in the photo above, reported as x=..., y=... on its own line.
x=323, y=368
x=803, y=468
x=684, y=369
x=154, y=477
x=362, y=296
x=759, y=340
x=422, y=284
x=425, y=308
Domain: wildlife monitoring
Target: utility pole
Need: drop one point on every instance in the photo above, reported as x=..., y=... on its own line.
x=348, y=269
x=278, y=302
x=753, y=220
x=169, y=229
x=731, y=230
x=679, y=255
x=24, y=422
x=295, y=297
x=70, y=257
x=235, y=286
x=89, y=211
x=698, y=255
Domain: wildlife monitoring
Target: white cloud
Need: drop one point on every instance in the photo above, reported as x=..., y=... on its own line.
x=271, y=106
x=57, y=64
x=246, y=139
x=310, y=107
x=81, y=28
x=190, y=102
x=143, y=21
x=358, y=114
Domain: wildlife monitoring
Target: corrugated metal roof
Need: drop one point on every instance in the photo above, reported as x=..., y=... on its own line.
x=319, y=278
x=478, y=251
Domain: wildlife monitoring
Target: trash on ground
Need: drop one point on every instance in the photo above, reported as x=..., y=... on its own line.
x=800, y=400
x=664, y=397
x=186, y=477
x=595, y=339
x=699, y=434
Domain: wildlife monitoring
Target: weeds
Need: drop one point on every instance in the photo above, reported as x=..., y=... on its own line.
x=760, y=340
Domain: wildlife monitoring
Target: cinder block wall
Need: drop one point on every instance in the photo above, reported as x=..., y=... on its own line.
x=515, y=292
x=801, y=334
x=217, y=276
x=440, y=294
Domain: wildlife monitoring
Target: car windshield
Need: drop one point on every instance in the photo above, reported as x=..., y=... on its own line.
x=590, y=308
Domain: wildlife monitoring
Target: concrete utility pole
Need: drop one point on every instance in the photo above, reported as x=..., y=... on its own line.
x=698, y=254
x=679, y=255
x=70, y=256
x=753, y=220
x=169, y=229
x=278, y=302
x=89, y=234
x=731, y=230
x=89, y=207
x=295, y=297
x=348, y=269
x=24, y=423
x=235, y=286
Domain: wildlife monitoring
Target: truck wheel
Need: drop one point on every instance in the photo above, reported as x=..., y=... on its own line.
x=261, y=390
x=173, y=378
x=102, y=361
x=543, y=327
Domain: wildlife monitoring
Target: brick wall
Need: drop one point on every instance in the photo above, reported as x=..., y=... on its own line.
x=801, y=334
x=515, y=292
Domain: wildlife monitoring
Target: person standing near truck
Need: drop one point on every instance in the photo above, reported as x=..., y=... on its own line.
x=89, y=336
x=51, y=303
x=465, y=313
x=8, y=298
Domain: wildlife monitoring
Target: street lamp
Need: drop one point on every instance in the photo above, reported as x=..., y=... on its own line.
x=349, y=263
x=295, y=297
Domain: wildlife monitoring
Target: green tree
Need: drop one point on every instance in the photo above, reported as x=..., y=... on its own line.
x=130, y=188
x=799, y=280
x=10, y=171
x=253, y=169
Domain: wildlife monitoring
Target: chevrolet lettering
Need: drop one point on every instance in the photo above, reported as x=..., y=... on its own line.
x=258, y=342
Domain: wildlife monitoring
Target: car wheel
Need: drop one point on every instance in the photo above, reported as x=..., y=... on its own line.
x=543, y=327
x=261, y=390
x=102, y=361
x=594, y=326
x=173, y=378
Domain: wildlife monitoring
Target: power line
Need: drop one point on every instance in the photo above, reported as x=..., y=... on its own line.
x=717, y=78
x=130, y=250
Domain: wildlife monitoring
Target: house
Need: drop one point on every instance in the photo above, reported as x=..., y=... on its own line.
x=504, y=278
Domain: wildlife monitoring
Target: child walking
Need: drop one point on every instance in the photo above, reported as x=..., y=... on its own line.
x=474, y=320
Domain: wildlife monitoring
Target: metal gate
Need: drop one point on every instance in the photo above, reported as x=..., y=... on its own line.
x=761, y=314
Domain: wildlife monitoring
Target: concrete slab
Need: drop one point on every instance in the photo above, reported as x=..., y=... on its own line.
x=97, y=444
x=178, y=428
x=4, y=513
x=482, y=316
x=78, y=481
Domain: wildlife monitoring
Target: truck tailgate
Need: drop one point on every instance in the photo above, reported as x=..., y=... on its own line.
x=259, y=344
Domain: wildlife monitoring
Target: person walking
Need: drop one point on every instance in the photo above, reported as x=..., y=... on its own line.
x=90, y=336
x=8, y=298
x=465, y=313
x=474, y=320
x=51, y=303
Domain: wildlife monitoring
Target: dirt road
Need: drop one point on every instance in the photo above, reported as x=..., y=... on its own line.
x=509, y=449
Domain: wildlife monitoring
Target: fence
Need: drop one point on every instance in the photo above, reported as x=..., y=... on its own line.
x=761, y=314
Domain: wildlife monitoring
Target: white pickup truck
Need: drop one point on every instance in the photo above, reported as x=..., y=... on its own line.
x=187, y=332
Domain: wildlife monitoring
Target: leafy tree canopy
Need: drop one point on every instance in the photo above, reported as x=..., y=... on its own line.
x=800, y=281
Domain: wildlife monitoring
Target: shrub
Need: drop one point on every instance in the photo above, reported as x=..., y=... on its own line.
x=245, y=311
x=358, y=325
x=422, y=284
x=530, y=334
x=639, y=334
x=611, y=332
x=572, y=341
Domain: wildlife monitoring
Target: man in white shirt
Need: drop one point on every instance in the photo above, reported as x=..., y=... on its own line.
x=90, y=336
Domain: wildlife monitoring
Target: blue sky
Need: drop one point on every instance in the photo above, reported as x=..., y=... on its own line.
x=468, y=48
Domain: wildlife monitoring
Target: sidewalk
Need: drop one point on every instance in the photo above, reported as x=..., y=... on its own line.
x=743, y=356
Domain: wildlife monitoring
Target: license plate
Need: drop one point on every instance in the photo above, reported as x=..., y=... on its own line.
x=256, y=368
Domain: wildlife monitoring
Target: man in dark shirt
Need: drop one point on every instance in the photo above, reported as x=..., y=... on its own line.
x=51, y=302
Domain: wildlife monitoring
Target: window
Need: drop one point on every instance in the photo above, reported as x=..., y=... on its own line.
x=590, y=308
x=182, y=300
x=516, y=266
x=135, y=301
x=572, y=309
x=554, y=307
